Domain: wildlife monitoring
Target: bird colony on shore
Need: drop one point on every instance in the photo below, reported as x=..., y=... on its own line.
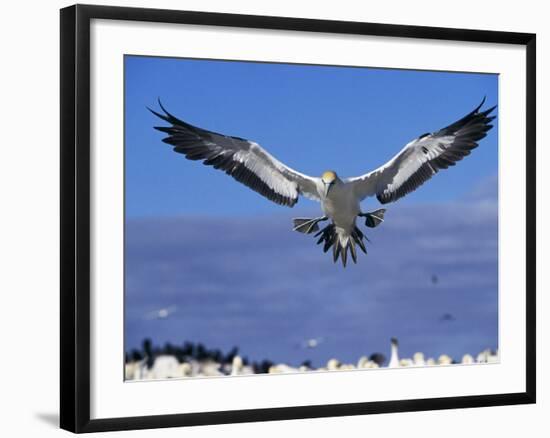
x=196, y=361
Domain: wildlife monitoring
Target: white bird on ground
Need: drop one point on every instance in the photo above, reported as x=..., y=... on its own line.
x=365, y=362
x=236, y=365
x=136, y=370
x=210, y=368
x=165, y=367
x=282, y=368
x=431, y=361
x=238, y=368
x=333, y=364
x=487, y=356
x=418, y=359
x=340, y=199
x=394, y=358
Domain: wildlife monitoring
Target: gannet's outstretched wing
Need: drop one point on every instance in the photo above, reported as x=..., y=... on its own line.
x=423, y=157
x=244, y=160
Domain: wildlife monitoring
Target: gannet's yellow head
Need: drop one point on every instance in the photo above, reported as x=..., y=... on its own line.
x=329, y=177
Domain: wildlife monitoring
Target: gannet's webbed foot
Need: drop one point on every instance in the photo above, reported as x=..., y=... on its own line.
x=374, y=218
x=307, y=225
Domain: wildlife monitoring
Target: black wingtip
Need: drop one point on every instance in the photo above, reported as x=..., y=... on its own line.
x=477, y=108
x=166, y=117
x=482, y=102
x=489, y=111
x=162, y=107
x=170, y=117
x=486, y=112
x=156, y=114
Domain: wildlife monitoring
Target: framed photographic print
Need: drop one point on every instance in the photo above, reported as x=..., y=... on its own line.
x=271, y=218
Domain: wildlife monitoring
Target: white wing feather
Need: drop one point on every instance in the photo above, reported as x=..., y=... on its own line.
x=244, y=160
x=423, y=157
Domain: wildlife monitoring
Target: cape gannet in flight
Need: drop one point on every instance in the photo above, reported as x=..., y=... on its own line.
x=340, y=199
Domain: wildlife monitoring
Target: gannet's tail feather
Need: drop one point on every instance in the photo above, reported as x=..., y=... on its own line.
x=358, y=236
x=341, y=243
x=352, y=251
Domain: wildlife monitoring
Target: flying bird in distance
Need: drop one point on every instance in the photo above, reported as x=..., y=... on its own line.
x=162, y=313
x=312, y=342
x=340, y=198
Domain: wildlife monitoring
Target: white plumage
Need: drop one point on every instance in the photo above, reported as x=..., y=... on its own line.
x=394, y=358
x=340, y=199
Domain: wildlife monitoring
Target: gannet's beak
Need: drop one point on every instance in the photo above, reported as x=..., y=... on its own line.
x=328, y=187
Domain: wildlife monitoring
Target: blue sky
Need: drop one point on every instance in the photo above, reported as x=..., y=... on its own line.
x=225, y=258
x=312, y=118
x=252, y=283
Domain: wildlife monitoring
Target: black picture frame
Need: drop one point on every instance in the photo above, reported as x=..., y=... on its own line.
x=75, y=217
